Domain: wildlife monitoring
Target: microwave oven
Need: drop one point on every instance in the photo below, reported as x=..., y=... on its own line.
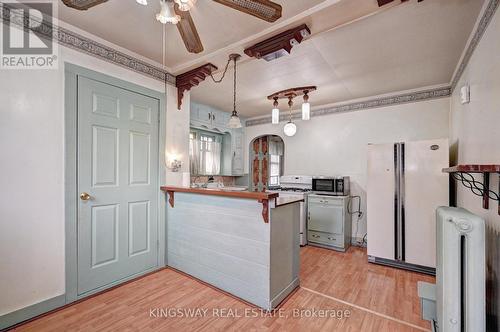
x=335, y=186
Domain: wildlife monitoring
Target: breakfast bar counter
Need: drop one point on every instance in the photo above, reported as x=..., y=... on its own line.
x=245, y=243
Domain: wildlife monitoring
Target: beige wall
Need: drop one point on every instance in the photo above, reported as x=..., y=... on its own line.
x=32, y=233
x=474, y=132
x=337, y=144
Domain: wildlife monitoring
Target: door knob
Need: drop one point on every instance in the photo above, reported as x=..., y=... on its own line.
x=85, y=197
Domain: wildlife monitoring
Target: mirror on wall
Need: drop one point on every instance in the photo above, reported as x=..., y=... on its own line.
x=209, y=153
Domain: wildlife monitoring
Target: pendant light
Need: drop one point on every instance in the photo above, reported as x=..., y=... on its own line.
x=290, y=128
x=234, y=121
x=275, y=112
x=306, y=107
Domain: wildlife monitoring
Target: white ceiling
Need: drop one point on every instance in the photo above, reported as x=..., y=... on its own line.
x=356, y=49
x=134, y=27
x=410, y=46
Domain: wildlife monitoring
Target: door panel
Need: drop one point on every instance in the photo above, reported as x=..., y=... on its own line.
x=380, y=201
x=118, y=168
x=426, y=188
x=324, y=217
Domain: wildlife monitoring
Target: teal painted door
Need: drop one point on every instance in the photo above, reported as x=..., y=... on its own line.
x=118, y=169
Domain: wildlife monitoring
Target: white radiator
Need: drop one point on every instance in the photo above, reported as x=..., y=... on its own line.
x=460, y=271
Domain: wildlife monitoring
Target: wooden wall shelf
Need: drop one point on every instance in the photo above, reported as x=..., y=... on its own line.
x=464, y=174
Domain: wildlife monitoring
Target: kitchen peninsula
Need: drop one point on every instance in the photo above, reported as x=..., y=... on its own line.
x=245, y=243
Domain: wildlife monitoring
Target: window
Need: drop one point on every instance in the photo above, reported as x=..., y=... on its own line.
x=204, y=153
x=275, y=170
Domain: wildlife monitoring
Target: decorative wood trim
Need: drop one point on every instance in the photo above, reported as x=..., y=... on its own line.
x=88, y=46
x=473, y=169
x=283, y=41
x=264, y=9
x=265, y=209
x=171, y=199
x=293, y=92
x=385, y=2
x=405, y=98
x=192, y=78
x=217, y=192
x=82, y=4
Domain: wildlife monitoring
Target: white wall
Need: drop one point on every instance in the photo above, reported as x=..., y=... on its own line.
x=474, y=132
x=337, y=144
x=32, y=176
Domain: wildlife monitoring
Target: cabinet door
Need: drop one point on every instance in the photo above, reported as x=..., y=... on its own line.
x=237, y=151
x=326, y=216
x=205, y=114
x=220, y=118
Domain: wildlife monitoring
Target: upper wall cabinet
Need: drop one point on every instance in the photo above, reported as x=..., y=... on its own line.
x=209, y=118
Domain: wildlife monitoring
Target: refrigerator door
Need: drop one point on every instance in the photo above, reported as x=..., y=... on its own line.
x=380, y=201
x=426, y=188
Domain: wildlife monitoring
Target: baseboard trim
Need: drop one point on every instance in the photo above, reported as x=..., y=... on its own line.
x=402, y=265
x=25, y=315
x=31, y=311
x=278, y=299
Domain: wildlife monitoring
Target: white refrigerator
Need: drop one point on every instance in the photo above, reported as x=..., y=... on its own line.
x=405, y=186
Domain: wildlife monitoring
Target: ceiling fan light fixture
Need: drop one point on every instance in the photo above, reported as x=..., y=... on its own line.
x=185, y=5
x=167, y=15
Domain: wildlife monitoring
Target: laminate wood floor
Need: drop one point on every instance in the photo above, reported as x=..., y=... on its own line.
x=352, y=294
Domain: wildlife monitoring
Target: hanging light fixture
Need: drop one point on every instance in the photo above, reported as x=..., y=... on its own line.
x=306, y=107
x=142, y=2
x=290, y=128
x=234, y=121
x=166, y=14
x=185, y=5
x=275, y=112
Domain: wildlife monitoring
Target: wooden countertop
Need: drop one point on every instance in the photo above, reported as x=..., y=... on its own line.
x=218, y=192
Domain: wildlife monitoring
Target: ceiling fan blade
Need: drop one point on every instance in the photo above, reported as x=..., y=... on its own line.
x=188, y=31
x=264, y=9
x=82, y=4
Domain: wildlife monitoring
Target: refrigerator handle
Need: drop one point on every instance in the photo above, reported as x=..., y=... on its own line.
x=402, y=201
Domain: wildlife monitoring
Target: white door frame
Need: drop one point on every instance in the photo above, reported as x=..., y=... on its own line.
x=72, y=72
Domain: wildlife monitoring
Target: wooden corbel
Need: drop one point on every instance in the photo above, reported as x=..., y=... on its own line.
x=171, y=198
x=184, y=82
x=265, y=209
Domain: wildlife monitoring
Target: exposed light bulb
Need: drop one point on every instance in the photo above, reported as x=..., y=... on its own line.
x=276, y=116
x=185, y=5
x=166, y=15
x=290, y=129
x=306, y=111
x=142, y=2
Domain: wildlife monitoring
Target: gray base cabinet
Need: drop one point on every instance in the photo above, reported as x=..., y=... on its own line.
x=329, y=222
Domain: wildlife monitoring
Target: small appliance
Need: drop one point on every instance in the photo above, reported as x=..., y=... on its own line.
x=329, y=185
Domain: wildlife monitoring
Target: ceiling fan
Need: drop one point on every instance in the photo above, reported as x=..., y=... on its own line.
x=264, y=9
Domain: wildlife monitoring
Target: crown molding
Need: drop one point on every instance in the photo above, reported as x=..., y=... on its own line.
x=404, y=98
x=73, y=40
x=486, y=18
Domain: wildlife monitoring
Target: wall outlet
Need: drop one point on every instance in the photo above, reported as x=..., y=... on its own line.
x=465, y=94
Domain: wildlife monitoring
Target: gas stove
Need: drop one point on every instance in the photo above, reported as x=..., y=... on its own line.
x=297, y=186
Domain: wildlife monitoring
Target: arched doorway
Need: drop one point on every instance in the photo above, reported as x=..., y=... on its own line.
x=266, y=162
